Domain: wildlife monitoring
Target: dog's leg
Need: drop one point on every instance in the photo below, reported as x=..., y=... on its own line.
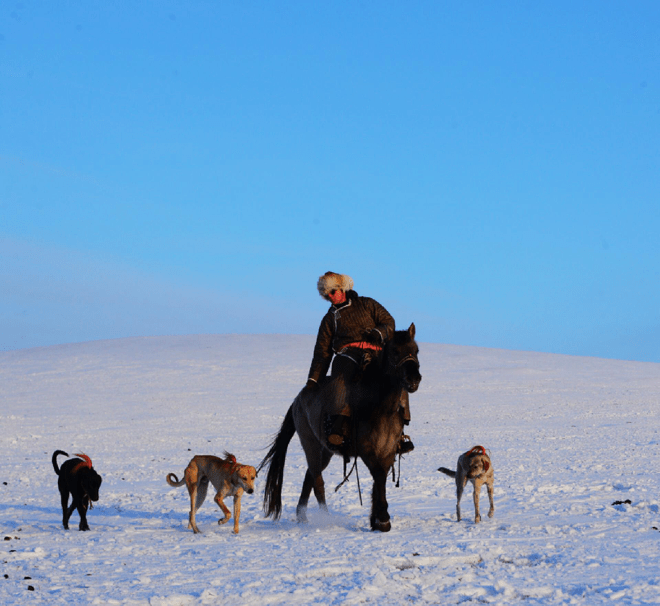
x=225, y=509
x=66, y=513
x=490, y=488
x=460, y=485
x=196, y=489
x=82, y=512
x=197, y=500
x=475, y=496
x=237, y=511
x=202, y=488
x=192, y=523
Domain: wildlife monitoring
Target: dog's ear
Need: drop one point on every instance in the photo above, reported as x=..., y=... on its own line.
x=486, y=465
x=231, y=459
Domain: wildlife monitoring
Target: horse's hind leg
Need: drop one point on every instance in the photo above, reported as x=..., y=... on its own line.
x=301, y=509
x=319, y=492
x=316, y=483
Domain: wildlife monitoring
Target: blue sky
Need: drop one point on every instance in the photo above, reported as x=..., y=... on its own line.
x=490, y=171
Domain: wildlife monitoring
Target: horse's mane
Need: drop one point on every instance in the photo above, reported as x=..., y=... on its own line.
x=378, y=379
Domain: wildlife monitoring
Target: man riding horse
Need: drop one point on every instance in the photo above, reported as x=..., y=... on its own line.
x=354, y=330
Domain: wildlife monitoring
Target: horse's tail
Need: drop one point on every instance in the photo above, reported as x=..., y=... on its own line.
x=275, y=461
x=55, y=455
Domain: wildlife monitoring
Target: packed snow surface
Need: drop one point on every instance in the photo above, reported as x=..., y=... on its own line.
x=574, y=443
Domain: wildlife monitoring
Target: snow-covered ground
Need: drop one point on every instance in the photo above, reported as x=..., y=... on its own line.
x=568, y=438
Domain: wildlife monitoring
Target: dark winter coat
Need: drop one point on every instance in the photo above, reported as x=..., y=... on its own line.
x=347, y=323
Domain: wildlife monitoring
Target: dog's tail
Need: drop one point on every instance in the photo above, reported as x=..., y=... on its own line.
x=449, y=472
x=55, y=455
x=172, y=480
x=275, y=460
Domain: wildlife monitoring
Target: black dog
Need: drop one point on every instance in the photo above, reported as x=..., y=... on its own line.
x=78, y=477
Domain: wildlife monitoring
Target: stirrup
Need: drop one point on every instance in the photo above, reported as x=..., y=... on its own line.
x=405, y=445
x=335, y=440
x=337, y=431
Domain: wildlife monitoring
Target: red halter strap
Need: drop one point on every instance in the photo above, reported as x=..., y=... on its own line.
x=86, y=462
x=475, y=450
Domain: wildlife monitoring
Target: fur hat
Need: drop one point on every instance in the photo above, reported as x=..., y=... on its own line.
x=332, y=281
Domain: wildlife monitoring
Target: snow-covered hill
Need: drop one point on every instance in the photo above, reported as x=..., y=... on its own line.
x=568, y=436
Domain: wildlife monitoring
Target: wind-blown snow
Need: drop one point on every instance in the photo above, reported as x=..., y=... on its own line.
x=568, y=437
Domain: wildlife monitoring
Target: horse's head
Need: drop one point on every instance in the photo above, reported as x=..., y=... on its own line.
x=401, y=358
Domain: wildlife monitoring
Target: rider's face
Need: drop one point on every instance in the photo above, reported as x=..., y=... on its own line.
x=337, y=296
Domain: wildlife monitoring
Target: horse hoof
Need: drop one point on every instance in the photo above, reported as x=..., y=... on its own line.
x=381, y=526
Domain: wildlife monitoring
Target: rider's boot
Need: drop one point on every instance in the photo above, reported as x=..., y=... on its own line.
x=338, y=430
x=405, y=444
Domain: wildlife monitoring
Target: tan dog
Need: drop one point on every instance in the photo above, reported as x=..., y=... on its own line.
x=228, y=477
x=474, y=465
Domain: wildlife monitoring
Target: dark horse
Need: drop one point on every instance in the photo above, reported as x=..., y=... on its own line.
x=377, y=429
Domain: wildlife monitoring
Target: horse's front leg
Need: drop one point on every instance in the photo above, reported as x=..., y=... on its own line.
x=380, y=517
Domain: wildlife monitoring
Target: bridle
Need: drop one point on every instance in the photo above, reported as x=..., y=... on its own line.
x=408, y=358
x=402, y=361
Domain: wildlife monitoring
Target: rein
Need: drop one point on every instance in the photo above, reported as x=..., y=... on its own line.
x=354, y=466
x=348, y=475
x=394, y=478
